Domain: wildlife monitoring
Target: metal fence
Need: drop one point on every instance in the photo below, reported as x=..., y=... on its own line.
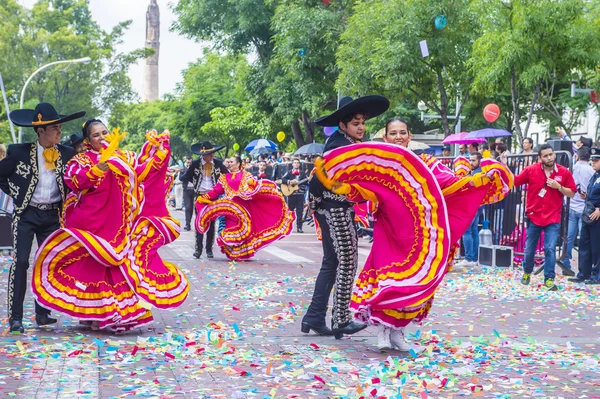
x=507, y=217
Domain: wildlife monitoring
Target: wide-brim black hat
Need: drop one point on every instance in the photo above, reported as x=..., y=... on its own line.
x=43, y=115
x=372, y=106
x=205, y=148
x=74, y=139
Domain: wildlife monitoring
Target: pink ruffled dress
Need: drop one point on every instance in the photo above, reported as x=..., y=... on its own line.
x=420, y=207
x=255, y=214
x=84, y=269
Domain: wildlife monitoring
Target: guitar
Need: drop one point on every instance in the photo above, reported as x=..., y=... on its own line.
x=288, y=189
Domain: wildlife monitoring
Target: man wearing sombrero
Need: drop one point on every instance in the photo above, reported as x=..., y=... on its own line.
x=336, y=218
x=32, y=174
x=203, y=175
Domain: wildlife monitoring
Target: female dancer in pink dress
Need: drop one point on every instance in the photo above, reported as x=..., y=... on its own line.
x=255, y=212
x=420, y=207
x=82, y=270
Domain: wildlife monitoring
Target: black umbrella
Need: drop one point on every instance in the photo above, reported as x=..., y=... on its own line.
x=310, y=149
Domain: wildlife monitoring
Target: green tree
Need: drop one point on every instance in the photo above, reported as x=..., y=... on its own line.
x=535, y=46
x=289, y=87
x=303, y=70
x=61, y=30
x=380, y=52
x=239, y=26
x=239, y=125
x=212, y=82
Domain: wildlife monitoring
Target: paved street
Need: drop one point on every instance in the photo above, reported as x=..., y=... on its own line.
x=238, y=336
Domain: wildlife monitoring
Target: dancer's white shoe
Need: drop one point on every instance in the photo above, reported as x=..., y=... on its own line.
x=383, y=338
x=398, y=340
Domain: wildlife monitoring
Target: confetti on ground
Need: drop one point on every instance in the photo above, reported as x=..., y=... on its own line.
x=238, y=337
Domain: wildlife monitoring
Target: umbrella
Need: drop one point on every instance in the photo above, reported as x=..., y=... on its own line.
x=261, y=143
x=309, y=149
x=260, y=151
x=460, y=138
x=488, y=132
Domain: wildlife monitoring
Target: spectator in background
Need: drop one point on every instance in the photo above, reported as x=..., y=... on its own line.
x=472, y=147
x=583, y=142
x=471, y=237
x=589, y=250
x=562, y=135
x=527, y=146
x=2, y=151
x=582, y=173
x=189, y=194
x=446, y=151
x=548, y=183
x=295, y=201
x=462, y=150
x=485, y=150
x=262, y=170
x=76, y=142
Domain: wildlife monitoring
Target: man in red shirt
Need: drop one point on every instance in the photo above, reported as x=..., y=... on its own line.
x=548, y=183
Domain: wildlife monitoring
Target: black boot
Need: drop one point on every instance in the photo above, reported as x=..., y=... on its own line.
x=324, y=330
x=16, y=326
x=44, y=319
x=197, y=254
x=351, y=328
x=209, y=253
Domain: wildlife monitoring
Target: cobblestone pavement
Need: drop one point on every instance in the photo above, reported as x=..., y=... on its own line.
x=238, y=336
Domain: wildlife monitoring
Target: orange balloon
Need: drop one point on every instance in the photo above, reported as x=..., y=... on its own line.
x=491, y=112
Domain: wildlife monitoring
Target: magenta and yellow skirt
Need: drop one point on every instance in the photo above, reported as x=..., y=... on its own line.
x=79, y=275
x=250, y=224
x=412, y=234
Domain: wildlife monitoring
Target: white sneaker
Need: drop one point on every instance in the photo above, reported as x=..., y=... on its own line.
x=473, y=264
x=383, y=338
x=398, y=340
x=463, y=263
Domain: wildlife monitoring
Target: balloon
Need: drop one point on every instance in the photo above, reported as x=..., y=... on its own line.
x=329, y=130
x=236, y=147
x=440, y=22
x=280, y=136
x=491, y=112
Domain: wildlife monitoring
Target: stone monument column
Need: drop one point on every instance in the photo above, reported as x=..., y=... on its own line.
x=152, y=41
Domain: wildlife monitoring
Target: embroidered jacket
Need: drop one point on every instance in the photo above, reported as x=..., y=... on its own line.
x=19, y=172
x=195, y=173
x=318, y=195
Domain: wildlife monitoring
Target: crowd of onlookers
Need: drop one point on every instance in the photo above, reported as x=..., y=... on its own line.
x=542, y=191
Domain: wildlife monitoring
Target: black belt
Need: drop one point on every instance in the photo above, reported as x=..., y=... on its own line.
x=45, y=207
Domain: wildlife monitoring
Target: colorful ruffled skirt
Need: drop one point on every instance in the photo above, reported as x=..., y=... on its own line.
x=250, y=224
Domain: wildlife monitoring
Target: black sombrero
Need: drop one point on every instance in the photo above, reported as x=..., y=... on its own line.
x=205, y=148
x=74, y=139
x=43, y=115
x=372, y=106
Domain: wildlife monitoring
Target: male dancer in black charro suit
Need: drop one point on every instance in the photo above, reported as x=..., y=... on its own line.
x=336, y=218
x=32, y=174
x=204, y=174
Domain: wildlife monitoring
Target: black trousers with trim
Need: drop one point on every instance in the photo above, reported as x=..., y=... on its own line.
x=338, y=268
x=296, y=203
x=32, y=222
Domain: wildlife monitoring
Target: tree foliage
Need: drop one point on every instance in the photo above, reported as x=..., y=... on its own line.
x=536, y=47
x=56, y=30
x=380, y=52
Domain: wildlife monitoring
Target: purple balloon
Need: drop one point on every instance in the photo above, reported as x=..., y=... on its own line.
x=329, y=130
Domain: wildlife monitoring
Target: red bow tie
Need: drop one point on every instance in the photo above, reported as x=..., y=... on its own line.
x=295, y=172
